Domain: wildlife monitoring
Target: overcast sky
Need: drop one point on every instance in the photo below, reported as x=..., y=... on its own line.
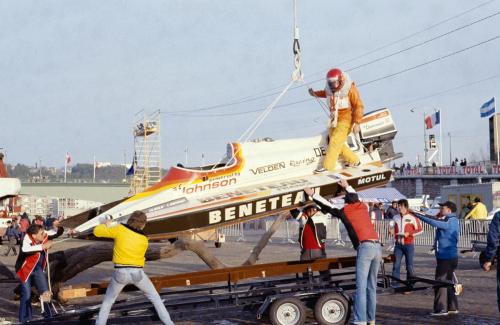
x=73, y=74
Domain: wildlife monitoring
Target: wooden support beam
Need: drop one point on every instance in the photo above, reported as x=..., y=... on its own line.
x=231, y=275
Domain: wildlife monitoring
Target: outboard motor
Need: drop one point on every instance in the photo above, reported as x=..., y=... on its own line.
x=377, y=132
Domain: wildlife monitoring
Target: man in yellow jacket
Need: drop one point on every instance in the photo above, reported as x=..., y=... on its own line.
x=128, y=257
x=346, y=112
x=478, y=212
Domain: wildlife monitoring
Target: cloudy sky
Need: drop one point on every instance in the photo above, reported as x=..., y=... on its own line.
x=75, y=73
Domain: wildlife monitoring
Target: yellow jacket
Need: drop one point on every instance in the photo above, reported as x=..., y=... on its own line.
x=130, y=244
x=478, y=212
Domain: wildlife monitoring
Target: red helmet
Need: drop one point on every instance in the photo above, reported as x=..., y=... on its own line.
x=335, y=79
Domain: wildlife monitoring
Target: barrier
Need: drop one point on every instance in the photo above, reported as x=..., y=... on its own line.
x=288, y=232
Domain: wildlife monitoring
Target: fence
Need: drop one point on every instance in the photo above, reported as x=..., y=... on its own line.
x=337, y=235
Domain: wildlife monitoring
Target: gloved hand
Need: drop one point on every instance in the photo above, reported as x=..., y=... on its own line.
x=311, y=92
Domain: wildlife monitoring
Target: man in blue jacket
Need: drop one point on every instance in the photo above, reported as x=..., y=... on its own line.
x=492, y=249
x=445, y=244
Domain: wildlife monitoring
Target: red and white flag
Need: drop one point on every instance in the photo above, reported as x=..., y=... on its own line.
x=68, y=158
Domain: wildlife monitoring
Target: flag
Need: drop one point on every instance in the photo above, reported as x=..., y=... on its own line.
x=432, y=120
x=488, y=108
x=131, y=170
x=68, y=158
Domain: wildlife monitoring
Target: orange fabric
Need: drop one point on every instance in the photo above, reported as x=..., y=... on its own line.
x=3, y=170
x=356, y=103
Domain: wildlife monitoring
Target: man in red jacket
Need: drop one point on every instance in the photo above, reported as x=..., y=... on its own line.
x=31, y=265
x=405, y=226
x=365, y=240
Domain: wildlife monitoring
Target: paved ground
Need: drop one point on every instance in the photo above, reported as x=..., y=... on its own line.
x=477, y=304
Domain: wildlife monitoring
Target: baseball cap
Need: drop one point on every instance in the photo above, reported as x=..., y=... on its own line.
x=449, y=205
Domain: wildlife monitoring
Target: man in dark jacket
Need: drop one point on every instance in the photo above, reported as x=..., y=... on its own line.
x=392, y=210
x=312, y=232
x=365, y=240
x=13, y=235
x=446, y=250
x=493, y=249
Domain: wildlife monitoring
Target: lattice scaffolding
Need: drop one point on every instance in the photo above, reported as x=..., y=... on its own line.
x=147, y=152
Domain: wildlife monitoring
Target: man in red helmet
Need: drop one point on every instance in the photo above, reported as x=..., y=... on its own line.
x=346, y=112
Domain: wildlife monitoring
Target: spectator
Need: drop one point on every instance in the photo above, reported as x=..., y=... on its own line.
x=492, y=250
x=312, y=232
x=365, y=240
x=24, y=223
x=377, y=213
x=405, y=227
x=478, y=211
x=31, y=265
x=130, y=245
x=465, y=161
x=445, y=244
x=434, y=164
x=392, y=210
x=13, y=235
x=38, y=220
x=49, y=221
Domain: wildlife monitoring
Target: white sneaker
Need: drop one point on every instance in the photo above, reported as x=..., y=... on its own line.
x=453, y=312
x=439, y=313
x=319, y=170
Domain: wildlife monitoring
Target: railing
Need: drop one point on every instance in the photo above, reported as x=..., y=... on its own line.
x=288, y=232
x=472, y=170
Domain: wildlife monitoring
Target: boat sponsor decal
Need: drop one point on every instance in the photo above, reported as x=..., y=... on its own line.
x=201, y=187
x=362, y=181
x=278, y=186
x=268, y=168
x=166, y=205
x=301, y=162
x=320, y=151
x=255, y=207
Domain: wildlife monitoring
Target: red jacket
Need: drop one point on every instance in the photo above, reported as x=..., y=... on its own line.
x=408, y=223
x=31, y=252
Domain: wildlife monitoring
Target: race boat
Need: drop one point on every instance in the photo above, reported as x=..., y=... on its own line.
x=254, y=180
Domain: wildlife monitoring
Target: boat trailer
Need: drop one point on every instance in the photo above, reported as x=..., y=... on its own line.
x=278, y=292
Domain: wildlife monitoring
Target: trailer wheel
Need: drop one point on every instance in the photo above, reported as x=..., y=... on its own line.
x=331, y=309
x=287, y=311
x=218, y=244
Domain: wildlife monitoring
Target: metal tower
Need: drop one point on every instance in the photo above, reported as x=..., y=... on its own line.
x=147, y=152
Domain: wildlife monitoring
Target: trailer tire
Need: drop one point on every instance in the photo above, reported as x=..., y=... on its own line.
x=218, y=244
x=332, y=309
x=287, y=311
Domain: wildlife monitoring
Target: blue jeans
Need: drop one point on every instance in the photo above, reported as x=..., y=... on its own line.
x=39, y=278
x=136, y=276
x=498, y=282
x=408, y=251
x=367, y=265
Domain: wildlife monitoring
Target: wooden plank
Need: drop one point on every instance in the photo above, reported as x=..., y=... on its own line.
x=228, y=275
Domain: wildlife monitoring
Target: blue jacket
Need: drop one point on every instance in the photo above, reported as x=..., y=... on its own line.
x=447, y=232
x=493, y=238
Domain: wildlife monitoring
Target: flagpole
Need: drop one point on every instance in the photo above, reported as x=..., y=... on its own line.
x=94, y=170
x=496, y=130
x=440, y=137
x=65, y=166
x=425, y=143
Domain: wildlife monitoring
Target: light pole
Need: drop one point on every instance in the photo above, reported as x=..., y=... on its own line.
x=449, y=135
